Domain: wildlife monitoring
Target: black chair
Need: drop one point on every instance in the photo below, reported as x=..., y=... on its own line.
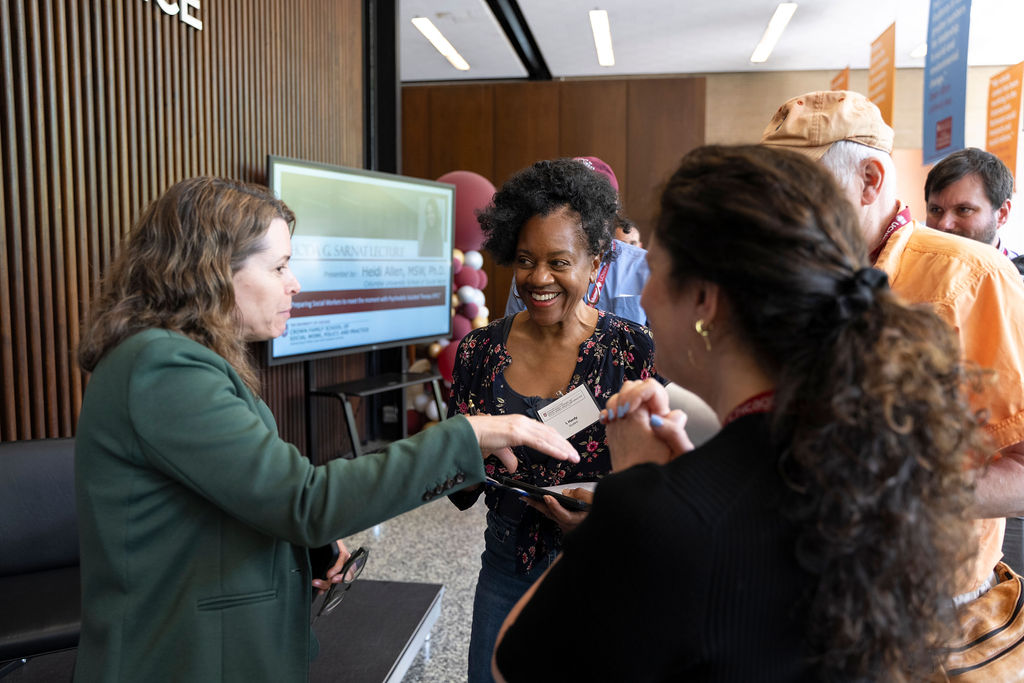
x=40, y=589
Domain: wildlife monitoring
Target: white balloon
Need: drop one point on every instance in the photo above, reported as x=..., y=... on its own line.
x=444, y=342
x=467, y=293
x=421, y=401
x=474, y=259
x=484, y=311
x=431, y=411
x=478, y=298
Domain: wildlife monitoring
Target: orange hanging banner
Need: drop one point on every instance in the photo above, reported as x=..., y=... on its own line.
x=841, y=80
x=882, y=72
x=1002, y=134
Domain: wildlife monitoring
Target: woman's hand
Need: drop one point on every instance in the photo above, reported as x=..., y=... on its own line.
x=498, y=433
x=634, y=394
x=632, y=441
x=640, y=427
x=567, y=520
x=333, y=573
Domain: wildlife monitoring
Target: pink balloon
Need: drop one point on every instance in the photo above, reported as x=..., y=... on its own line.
x=446, y=361
x=413, y=421
x=461, y=326
x=468, y=309
x=481, y=279
x=466, y=276
x=456, y=265
x=472, y=192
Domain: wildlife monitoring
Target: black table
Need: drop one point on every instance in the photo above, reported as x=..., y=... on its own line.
x=375, y=634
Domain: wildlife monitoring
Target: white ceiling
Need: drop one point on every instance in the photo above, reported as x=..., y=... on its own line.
x=689, y=37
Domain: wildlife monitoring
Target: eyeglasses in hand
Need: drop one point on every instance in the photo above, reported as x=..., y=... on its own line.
x=350, y=571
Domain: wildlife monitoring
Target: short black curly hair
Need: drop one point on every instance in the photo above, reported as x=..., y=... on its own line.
x=542, y=189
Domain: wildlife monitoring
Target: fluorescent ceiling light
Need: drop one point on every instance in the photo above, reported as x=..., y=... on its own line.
x=783, y=13
x=602, y=37
x=919, y=51
x=440, y=43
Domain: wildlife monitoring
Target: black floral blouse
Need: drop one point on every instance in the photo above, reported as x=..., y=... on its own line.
x=618, y=350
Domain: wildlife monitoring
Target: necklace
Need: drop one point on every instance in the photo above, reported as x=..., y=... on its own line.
x=761, y=403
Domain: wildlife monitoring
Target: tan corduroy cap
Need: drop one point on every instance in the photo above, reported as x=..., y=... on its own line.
x=810, y=123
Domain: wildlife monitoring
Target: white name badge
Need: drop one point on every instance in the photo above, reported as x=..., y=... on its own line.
x=571, y=413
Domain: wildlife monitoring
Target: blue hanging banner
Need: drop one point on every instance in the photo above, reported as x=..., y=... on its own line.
x=945, y=78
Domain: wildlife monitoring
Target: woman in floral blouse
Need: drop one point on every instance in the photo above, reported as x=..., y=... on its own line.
x=551, y=222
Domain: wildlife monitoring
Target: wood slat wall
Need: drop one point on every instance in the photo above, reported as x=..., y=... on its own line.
x=107, y=103
x=642, y=127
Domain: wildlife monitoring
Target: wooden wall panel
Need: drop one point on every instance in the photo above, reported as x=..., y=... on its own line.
x=641, y=127
x=592, y=122
x=526, y=126
x=461, y=130
x=13, y=359
x=415, y=132
x=674, y=108
x=451, y=128
x=447, y=129
x=106, y=104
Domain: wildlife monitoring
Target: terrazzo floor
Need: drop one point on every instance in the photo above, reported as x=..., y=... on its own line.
x=435, y=543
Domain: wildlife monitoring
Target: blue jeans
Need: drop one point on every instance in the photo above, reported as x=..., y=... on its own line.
x=497, y=591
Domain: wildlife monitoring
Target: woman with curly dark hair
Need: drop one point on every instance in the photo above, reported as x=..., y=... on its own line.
x=817, y=535
x=551, y=222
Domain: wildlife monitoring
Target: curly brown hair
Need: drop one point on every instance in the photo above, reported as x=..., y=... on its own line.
x=870, y=418
x=175, y=270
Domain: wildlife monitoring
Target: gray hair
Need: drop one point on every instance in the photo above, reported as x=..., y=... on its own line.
x=843, y=159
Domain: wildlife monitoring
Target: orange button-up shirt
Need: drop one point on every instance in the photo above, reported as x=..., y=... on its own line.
x=979, y=292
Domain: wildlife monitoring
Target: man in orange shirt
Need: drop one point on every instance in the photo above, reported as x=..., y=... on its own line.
x=968, y=194
x=976, y=290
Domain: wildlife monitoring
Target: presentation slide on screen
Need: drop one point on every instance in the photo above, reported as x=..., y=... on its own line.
x=373, y=257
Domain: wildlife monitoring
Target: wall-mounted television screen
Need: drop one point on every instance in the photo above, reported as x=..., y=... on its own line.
x=373, y=254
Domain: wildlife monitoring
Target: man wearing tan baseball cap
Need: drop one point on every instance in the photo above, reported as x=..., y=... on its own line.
x=969, y=284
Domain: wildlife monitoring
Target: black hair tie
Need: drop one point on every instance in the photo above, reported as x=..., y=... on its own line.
x=856, y=294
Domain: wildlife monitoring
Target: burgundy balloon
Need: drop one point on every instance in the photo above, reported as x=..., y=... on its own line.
x=446, y=360
x=472, y=192
x=461, y=326
x=481, y=279
x=456, y=265
x=468, y=309
x=466, y=276
x=413, y=421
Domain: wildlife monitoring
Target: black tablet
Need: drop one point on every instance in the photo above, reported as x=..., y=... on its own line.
x=538, y=493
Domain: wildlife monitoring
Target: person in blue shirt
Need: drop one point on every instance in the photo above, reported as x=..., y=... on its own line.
x=625, y=231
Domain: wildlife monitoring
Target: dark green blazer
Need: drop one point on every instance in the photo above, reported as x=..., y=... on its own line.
x=195, y=517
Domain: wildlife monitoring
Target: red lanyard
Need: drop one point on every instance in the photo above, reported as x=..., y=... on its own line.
x=901, y=219
x=762, y=403
x=594, y=295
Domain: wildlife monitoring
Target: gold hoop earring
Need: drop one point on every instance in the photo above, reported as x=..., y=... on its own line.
x=704, y=330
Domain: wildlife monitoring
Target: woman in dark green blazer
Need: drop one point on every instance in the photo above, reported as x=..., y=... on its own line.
x=195, y=517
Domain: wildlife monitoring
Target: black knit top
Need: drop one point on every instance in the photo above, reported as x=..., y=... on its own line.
x=681, y=572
